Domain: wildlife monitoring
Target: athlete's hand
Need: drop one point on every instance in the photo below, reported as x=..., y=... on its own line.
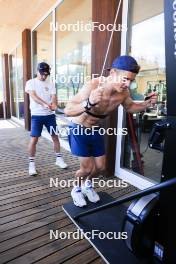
x=153, y=98
x=47, y=106
x=96, y=95
x=53, y=107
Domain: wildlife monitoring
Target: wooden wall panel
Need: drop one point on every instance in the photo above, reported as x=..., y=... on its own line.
x=26, y=51
x=6, y=85
x=103, y=11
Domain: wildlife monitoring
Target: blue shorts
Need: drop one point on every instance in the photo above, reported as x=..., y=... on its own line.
x=85, y=145
x=37, y=123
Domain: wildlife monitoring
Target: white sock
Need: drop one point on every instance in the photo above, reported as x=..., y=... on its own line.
x=31, y=159
x=58, y=155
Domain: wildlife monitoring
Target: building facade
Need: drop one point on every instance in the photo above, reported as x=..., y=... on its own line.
x=64, y=39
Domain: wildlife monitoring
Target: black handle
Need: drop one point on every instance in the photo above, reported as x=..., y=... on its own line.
x=139, y=194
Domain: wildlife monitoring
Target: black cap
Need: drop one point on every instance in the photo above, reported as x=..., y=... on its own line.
x=43, y=68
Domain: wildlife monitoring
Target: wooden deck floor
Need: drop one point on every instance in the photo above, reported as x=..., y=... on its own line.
x=29, y=208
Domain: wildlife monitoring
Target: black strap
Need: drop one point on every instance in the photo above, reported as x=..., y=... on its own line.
x=94, y=115
x=91, y=103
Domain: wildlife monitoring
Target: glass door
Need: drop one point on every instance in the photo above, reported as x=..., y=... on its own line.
x=135, y=162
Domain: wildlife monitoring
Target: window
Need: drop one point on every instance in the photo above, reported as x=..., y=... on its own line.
x=42, y=44
x=73, y=48
x=70, y=55
x=16, y=82
x=147, y=46
x=20, y=90
x=13, y=87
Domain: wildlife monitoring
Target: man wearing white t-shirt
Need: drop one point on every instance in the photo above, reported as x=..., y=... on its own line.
x=43, y=102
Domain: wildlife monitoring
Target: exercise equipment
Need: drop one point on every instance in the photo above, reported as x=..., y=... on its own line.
x=140, y=221
x=109, y=220
x=158, y=134
x=114, y=216
x=156, y=212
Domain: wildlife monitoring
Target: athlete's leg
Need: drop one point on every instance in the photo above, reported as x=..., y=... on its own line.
x=56, y=143
x=32, y=146
x=99, y=166
x=59, y=159
x=86, y=168
x=51, y=125
x=36, y=129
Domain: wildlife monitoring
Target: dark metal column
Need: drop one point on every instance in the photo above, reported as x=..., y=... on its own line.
x=167, y=228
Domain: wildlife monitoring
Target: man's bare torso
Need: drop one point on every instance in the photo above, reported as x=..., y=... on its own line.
x=110, y=100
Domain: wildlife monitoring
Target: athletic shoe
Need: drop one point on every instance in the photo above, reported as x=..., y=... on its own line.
x=78, y=197
x=32, y=169
x=61, y=163
x=88, y=191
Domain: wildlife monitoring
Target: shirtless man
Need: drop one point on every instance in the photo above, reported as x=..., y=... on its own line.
x=95, y=101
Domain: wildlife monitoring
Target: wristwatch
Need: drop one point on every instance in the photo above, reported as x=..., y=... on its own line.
x=86, y=105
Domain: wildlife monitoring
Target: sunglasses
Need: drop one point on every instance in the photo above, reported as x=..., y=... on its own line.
x=44, y=74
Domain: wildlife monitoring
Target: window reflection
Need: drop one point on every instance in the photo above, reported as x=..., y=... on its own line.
x=42, y=43
x=13, y=84
x=73, y=50
x=20, y=92
x=147, y=46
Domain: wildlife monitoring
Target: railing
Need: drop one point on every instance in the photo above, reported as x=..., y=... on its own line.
x=156, y=188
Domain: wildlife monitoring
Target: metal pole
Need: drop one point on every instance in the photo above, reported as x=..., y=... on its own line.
x=139, y=194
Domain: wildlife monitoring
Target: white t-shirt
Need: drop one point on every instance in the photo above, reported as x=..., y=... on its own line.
x=44, y=89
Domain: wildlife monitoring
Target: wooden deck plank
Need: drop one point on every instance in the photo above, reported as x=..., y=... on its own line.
x=29, y=208
x=37, y=242
x=31, y=226
x=15, y=241
x=85, y=257
x=61, y=254
x=54, y=202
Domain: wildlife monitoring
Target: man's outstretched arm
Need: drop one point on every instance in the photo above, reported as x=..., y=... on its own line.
x=133, y=107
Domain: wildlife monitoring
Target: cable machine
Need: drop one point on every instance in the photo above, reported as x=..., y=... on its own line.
x=150, y=220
